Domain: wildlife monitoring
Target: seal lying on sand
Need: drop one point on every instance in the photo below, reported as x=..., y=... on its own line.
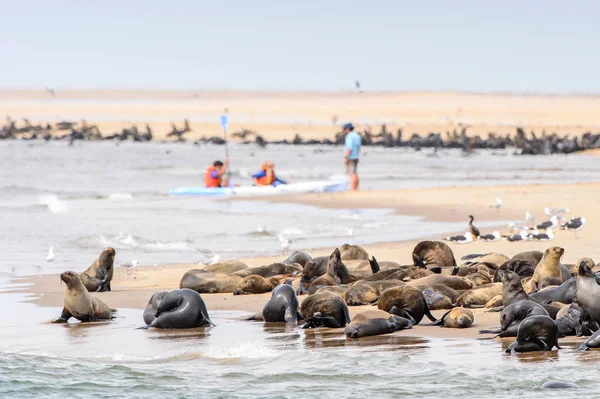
x=325, y=309
x=255, y=284
x=367, y=292
x=283, y=306
x=456, y=318
x=225, y=267
x=495, y=260
x=375, y=322
x=298, y=257
x=209, y=283
x=536, y=333
x=434, y=299
x=532, y=257
x=523, y=268
x=182, y=308
x=433, y=253
x=456, y=283
x=78, y=302
x=98, y=276
x=312, y=269
x=478, y=297
x=512, y=316
x=271, y=270
x=407, y=302
x=352, y=252
x=150, y=311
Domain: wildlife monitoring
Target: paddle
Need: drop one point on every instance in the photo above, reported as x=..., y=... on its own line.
x=224, y=125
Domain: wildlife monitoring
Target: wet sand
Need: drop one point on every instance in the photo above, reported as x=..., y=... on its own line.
x=313, y=115
x=132, y=290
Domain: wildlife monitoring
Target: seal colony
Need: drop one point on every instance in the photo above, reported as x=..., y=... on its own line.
x=539, y=299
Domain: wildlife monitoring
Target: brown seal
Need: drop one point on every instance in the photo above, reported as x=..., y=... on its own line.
x=367, y=292
x=456, y=318
x=209, y=283
x=78, y=302
x=478, y=297
x=336, y=273
x=493, y=258
x=98, y=276
x=336, y=289
x=255, y=284
x=433, y=253
x=407, y=302
x=435, y=300
x=523, y=268
x=375, y=322
x=533, y=257
x=226, y=267
x=457, y=283
x=271, y=270
x=353, y=252
x=312, y=270
x=549, y=266
x=325, y=309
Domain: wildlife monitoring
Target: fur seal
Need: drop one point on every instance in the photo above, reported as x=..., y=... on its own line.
x=456, y=318
x=274, y=269
x=433, y=253
x=78, y=302
x=298, y=257
x=98, y=276
x=532, y=257
x=549, y=266
x=312, y=269
x=407, y=302
x=283, y=306
x=589, y=262
x=569, y=322
x=209, y=283
x=367, y=292
x=337, y=273
x=352, y=252
x=457, y=283
x=513, y=291
x=150, y=311
x=255, y=284
x=399, y=273
x=495, y=259
x=479, y=297
x=375, y=322
x=513, y=315
x=564, y=293
x=593, y=342
x=183, y=308
x=325, y=309
x=535, y=333
x=225, y=267
x=588, y=293
x=336, y=289
x=434, y=299
x=559, y=385
x=523, y=268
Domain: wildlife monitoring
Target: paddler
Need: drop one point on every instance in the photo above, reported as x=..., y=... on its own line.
x=266, y=175
x=214, y=176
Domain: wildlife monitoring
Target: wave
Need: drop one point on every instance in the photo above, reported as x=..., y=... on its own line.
x=53, y=203
x=129, y=241
x=120, y=196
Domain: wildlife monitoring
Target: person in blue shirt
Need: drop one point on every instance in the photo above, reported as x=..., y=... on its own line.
x=352, y=145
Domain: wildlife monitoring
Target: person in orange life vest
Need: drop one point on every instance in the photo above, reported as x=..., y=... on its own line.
x=214, y=176
x=266, y=176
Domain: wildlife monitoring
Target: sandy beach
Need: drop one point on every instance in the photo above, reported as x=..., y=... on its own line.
x=132, y=290
x=313, y=115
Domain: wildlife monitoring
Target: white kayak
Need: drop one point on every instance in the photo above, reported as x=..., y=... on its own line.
x=327, y=186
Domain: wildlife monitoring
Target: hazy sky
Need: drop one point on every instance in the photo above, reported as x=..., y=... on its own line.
x=510, y=45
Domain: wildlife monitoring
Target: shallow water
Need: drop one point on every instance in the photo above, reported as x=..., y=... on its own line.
x=83, y=198
x=249, y=359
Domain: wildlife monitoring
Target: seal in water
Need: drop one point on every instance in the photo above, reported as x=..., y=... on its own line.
x=456, y=318
x=588, y=293
x=150, y=311
x=407, y=302
x=536, y=333
x=283, y=306
x=78, y=302
x=183, y=308
x=325, y=309
x=375, y=322
x=433, y=253
x=98, y=276
x=560, y=385
x=298, y=257
x=512, y=316
x=353, y=252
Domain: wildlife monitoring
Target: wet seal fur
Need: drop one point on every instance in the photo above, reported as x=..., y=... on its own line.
x=433, y=253
x=536, y=333
x=150, y=311
x=325, y=309
x=375, y=322
x=588, y=293
x=456, y=318
x=407, y=302
x=98, y=276
x=283, y=306
x=512, y=316
x=78, y=302
x=183, y=308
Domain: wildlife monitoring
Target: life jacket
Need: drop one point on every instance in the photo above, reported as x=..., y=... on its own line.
x=209, y=181
x=265, y=180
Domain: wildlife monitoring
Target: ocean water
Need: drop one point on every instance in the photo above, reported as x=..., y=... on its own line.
x=82, y=198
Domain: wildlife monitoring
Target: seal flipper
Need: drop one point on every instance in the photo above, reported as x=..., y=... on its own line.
x=64, y=317
x=402, y=313
x=496, y=331
x=455, y=271
x=440, y=321
x=374, y=265
x=427, y=311
x=290, y=316
x=496, y=309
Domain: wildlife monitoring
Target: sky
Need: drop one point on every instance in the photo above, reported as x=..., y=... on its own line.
x=539, y=46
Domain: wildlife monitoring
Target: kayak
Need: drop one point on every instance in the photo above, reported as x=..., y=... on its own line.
x=328, y=186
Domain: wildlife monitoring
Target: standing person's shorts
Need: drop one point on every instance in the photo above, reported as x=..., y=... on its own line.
x=351, y=166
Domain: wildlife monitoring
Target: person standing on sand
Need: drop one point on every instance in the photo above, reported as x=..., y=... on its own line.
x=352, y=145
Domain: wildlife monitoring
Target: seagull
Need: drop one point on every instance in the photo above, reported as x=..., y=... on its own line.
x=574, y=224
x=529, y=218
x=285, y=245
x=521, y=236
x=556, y=211
x=129, y=265
x=462, y=239
x=357, y=85
x=495, y=236
x=211, y=257
x=498, y=204
x=350, y=231
x=50, y=257
x=261, y=229
x=474, y=230
x=548, y=224
x=535, y=235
